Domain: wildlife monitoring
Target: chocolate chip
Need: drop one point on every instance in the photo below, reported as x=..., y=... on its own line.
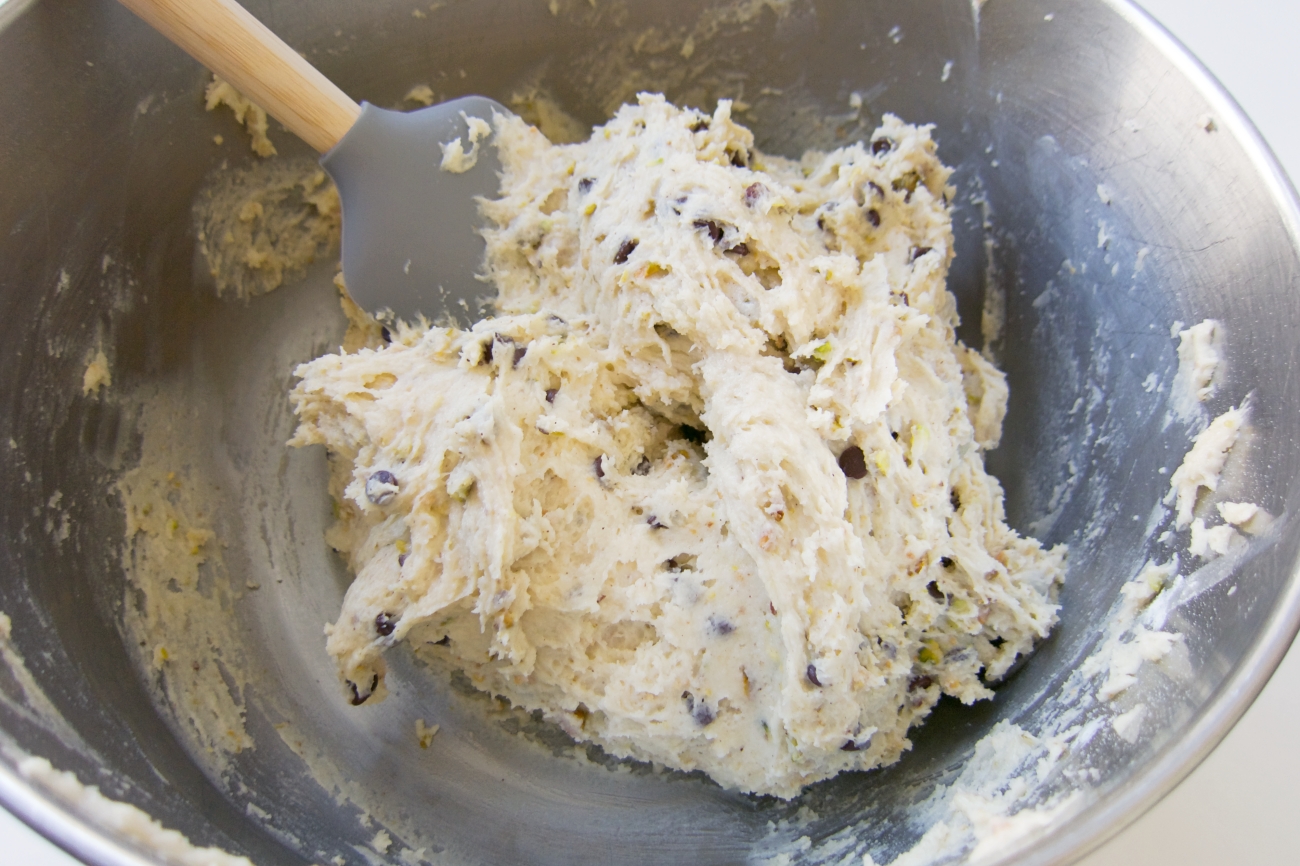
x=740, y=249
x=811, y=673
x=739, y=159
x=720, y=626
x=381, y=487
x=752, y=193
x=550, y=394
x=357, y=698
x=924, y=681
x=401, y=559
x=714, y=230
x=935, y=592
x=694, y=435
x=699, y=711
x=584, y=185
x=881, y=146
x=700, y=125
x=445, y=641
x=947, y=562
x=654, y=522
x=385, y=623
x=489, y=348
x=642, y=467
x=853, y=463
x=954, y=499
x=386, y=334
x=851, y=746
x=876, y=189
x=672, y=566
x=624, y=251
x=520, y=351
x=917, y=252
x=873, y=217
x=997, y=642
x=600, y=470
x=771, y=607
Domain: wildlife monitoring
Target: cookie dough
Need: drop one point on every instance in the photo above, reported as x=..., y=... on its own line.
x=709, y=490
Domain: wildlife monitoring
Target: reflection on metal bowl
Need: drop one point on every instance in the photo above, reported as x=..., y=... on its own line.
x=1105, y=186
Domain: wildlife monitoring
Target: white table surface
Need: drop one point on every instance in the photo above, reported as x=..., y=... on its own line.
x=1242, y=805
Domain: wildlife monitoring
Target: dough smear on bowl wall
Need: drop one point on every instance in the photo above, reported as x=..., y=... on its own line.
x=747, y=361
x=709, y=489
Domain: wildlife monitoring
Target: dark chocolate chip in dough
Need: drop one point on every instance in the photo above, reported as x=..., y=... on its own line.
x=853, y=463
x=714, y=230
x=720, y=626
x=922, y=682
x=694, y=435
x=624, y=251
x=381, y=487
x=357, y=698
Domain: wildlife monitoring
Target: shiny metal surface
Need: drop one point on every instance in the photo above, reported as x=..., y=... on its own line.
x=1035, y=114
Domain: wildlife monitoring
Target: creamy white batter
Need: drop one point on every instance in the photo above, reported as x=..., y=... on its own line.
x=709, y=491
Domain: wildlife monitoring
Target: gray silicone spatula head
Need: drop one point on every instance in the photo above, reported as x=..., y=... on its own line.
x=411, y=242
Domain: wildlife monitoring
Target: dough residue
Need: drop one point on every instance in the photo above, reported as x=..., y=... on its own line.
x=1200, y=357
x=252, y=117
x=179, y=617
x=1203, y=464
x=709, y=491
x=97, y=374
x=420, y=94
x=1130, y=644
x=123, y=819
x=455, y=158
x=260, y=227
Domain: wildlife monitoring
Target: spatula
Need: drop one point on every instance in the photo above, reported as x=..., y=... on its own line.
x=410, y=243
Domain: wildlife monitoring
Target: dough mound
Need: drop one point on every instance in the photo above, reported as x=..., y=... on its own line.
x=709, y=490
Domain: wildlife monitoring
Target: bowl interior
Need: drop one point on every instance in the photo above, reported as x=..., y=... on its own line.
x=1105, y=191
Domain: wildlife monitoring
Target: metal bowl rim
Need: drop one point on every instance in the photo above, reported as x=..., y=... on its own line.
x=1105, y=820
x=57, y=822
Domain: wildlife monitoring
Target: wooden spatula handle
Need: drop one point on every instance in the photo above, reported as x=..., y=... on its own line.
x=224, y=37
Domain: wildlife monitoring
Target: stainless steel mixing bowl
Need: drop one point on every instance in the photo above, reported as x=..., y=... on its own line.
x=103, y=149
